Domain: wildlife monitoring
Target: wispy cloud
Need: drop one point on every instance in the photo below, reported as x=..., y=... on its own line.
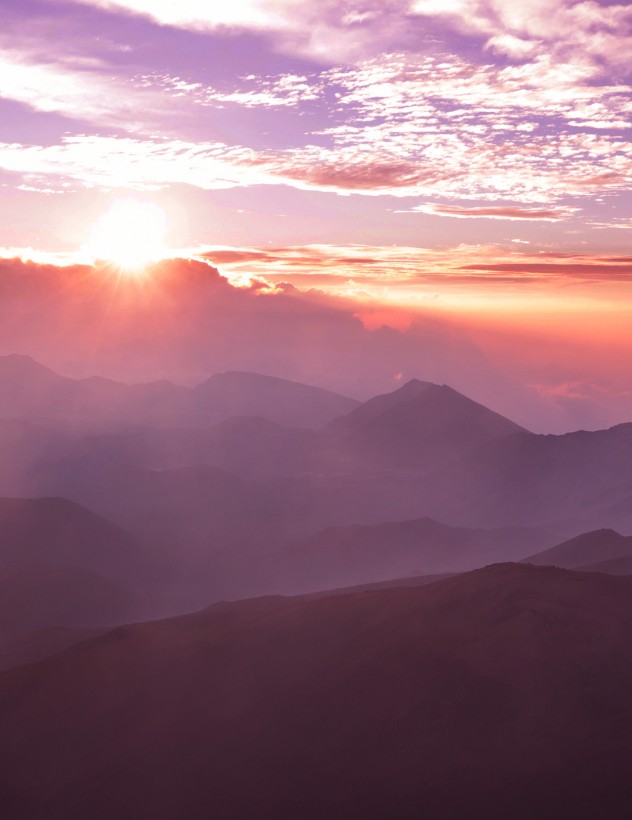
x=341, y=269
x=498, y=212
x=327, y=31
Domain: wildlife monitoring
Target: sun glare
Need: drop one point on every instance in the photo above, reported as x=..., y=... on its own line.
x=130, y=235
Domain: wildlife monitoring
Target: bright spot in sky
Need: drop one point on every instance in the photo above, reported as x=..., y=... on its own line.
x=129, y=235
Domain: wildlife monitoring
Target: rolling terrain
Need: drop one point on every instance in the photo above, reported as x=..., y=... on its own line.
x=513, y=680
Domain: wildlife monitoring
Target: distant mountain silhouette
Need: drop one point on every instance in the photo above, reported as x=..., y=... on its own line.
x=373, y=408
x=587, y=548
x=197, y=504
x=289, y=403
x=614, y=566
x=30, y=391
x=246, y=445
x=420, y=425
x=352, y=555
x=577, y=481
x=23, y=447
x=500, y=693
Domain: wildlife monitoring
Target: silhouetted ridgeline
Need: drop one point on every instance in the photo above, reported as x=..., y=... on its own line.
x=500, y=693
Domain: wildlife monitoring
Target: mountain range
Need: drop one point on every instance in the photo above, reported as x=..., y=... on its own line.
x=32, y=392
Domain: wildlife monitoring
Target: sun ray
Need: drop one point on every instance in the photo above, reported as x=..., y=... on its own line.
x=130, y=236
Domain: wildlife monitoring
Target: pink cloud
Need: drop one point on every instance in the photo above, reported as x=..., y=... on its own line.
x=497, y=212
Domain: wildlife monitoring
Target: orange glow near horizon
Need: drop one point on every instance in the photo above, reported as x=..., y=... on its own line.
x=130, y=236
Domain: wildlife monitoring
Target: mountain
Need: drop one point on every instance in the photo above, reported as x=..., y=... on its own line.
x=288, y=403
x=376, y=406
x=196, y=505
x=29, y=391
x=587, y=548
x=575, y=482
x=57, y=532
x=21, y=644
x=23, y=446
x=353, y=555
x=615, y=566
x=64, y=596
x=245, y=445
x=500, y=693
x=418, y=426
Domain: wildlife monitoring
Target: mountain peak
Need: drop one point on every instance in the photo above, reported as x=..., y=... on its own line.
x=419, y=425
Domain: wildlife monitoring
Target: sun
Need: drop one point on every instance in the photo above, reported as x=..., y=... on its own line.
x=130, y=235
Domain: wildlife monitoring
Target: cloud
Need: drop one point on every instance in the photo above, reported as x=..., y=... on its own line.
x=498, y=212
x=334, y=30
x=600, y=30
x=186, y=321
x=401, y=124
x=600, y=270
x=326, y=31
x=88, y=93
x=122, y=162
x=280, y=91
x=464, y=276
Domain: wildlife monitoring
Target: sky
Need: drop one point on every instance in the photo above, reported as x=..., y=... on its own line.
x=457, y=162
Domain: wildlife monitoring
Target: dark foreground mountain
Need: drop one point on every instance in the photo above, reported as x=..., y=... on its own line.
x=500, y=693
x=25, y=644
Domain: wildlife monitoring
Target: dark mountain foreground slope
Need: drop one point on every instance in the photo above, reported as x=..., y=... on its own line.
x=500, y=693
x=23, y=644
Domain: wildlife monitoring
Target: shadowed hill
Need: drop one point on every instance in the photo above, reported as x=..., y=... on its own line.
x=575, y=480
x=20, y=644
x=346, y=556
x=615, y=566
x=55, y=531
x=510, y=682
x=246, y=445
x=587, y=548
x=64, y=596
x=198, y=504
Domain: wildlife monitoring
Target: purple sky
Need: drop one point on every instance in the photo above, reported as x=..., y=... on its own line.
x=429, y=123
x=469, y=159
